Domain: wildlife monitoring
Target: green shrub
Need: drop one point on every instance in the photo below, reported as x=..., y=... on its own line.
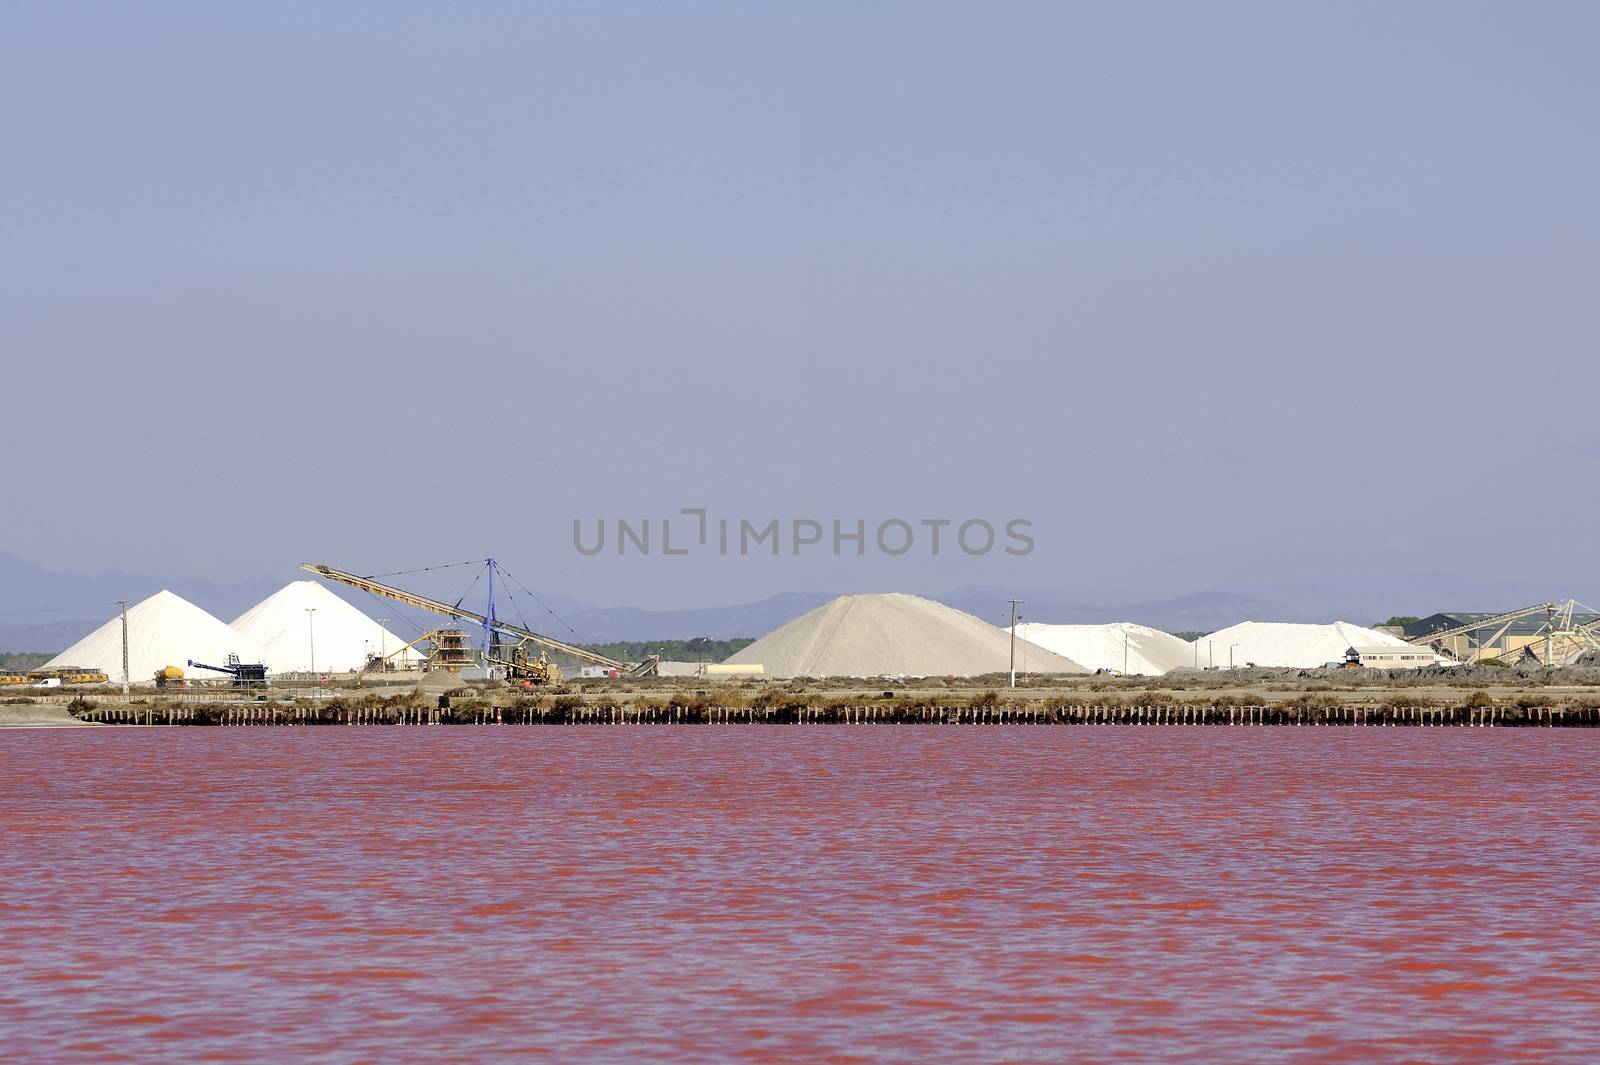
x=1308, y=701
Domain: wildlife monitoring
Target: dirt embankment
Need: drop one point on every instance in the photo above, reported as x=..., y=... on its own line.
x=36, y=715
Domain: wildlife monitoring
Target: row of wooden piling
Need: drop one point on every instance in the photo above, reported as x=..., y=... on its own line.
x=251, y=714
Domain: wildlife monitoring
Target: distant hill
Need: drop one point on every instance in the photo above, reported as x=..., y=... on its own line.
x=615, y=624
x=45, y=610
x=48, y=638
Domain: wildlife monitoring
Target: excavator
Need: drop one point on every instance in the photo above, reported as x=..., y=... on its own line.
x=521, y=653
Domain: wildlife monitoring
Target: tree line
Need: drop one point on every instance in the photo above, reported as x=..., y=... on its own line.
x=22, y=661
x=699, y=649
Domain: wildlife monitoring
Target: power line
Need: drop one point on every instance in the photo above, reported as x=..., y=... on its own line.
x=427, y=569
x=478, y=577
x=542, y=603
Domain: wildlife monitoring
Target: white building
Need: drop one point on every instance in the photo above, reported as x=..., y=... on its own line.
x=1387, y=657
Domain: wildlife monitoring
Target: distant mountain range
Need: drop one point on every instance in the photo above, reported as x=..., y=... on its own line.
x=44, y=610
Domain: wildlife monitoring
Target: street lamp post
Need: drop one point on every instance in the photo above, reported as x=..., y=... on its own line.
x=1014, y=604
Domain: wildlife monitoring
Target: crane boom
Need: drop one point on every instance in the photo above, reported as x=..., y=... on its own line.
x=449, y=611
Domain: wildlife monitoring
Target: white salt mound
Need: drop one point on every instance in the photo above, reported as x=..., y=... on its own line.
x=894, y=635
x=344, y=635
x=1149, y=652
x=1283, y=644
x=164, y=630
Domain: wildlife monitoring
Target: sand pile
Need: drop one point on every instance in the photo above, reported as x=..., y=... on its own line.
x=1271, y=643
x=344, y=635
x=44, y=715
x=893, y=635
x=440, y=680
x=1149, y=652
x=164, y=630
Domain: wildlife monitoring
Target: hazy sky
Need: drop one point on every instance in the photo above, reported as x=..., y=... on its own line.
x=1207, y=292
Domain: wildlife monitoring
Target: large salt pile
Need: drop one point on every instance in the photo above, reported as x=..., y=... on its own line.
x=164, y=630
x=893, y=635
x=1123, y=646
x=344, y=636
x=1270, y=643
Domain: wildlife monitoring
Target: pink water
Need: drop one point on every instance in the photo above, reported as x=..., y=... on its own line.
x=799, y=893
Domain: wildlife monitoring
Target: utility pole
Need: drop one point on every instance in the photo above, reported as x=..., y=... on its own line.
x=124, y=604
x=1014, y=604
x=1124, y=652
x=311, y=631
x=491, y=639
x=383, y=656
x=1549, y=634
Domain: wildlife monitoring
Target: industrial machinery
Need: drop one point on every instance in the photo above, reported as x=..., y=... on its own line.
x=519, y=666
x=515, y=661
x=169, y=677
x=448, y=650
x=244, y=674
x=9, y=676
x=1555, y=641
x=70, y=675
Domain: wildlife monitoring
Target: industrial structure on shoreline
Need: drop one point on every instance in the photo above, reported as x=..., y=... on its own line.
x=306, y=633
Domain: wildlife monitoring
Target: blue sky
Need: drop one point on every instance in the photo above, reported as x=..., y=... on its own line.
x=1210, y=293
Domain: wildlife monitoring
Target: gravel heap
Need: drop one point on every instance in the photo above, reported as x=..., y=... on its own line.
x=894, y=635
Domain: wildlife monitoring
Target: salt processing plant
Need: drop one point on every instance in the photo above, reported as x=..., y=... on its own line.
x=305, y=633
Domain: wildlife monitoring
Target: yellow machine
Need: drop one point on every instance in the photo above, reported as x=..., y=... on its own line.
x=69, y=675
x=519, y=666
x=8, y=676
x=169, y=677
